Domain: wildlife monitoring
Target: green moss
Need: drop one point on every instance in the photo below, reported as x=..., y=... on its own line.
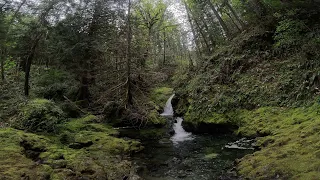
x=87, y=123
x=40, y=115
x=291, y=149
x=14, y=163
x=155, y=119
x=87, y=151
x=158, y=99
x=161, y=95
x=211, y=156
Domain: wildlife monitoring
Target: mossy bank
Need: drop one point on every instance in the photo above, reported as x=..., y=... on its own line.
x=80, y=148
x=287, y=140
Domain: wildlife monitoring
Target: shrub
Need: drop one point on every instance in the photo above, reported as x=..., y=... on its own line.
x=40, y=115
x=54, y=84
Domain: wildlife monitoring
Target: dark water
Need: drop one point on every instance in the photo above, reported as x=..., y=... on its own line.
x=203, y=158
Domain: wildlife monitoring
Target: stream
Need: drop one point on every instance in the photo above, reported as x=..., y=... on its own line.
x=188, y=156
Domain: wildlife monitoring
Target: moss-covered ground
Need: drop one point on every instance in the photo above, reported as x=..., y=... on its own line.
x=81, y=148
x=290, y=147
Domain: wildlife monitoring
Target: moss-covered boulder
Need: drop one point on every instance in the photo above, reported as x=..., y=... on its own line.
x=81, y=149
x=40, y=115
x=160, y=95
x=290, y=146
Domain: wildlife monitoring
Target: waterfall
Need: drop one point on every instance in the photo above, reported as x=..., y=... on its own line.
x=168, y=110
x=180, y=134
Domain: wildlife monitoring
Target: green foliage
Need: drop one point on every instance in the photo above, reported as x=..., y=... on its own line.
x=54, y=84
x=155, y=119
x=40, y=115
x=289, y=33
x=9, y=64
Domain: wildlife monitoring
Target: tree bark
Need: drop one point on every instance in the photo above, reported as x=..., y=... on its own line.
x=195, y=36
x=221, y=22
x=29, y=63
x=129, y=95
x=29, y=59
x=164, y=46
x=233, y=22
x=2, y=66
x=235, y=14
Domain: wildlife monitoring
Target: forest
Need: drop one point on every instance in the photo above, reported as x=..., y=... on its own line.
x=159, y=89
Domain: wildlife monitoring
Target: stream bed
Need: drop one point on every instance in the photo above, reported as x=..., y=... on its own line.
x=202, y=157
x=191, y=157
x=183, y=155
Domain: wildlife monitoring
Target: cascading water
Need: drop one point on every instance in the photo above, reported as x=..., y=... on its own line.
x=168, y=110
x=187, y=156
x=180, y=134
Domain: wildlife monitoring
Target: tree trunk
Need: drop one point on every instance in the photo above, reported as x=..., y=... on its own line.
x=129, y=99
x=235, y=14
x=233, y=22
x=192, y=29
x=84, y=93
x=29, y=63
x=2, y=57
x=221, y=22
x=164, y=46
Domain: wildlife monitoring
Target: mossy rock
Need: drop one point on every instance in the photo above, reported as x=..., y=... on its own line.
x=161, y=95
x=155, y=119
x=89, y=151
x=291, y=148
x=40, y=115
x=87, y=123
x=15, y=163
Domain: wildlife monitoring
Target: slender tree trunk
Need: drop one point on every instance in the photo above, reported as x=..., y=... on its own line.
x=29, y=59
x=222, y=23
x=29, y=63
x=195, y=36
x=128, y=54
x=2, y=66
x=233, y=22
x=235, y=14
x=211, y=40
x=203, y=36
x=164, y=46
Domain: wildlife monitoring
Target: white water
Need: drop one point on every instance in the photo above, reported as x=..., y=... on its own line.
x=168, y=110
x=180, y=134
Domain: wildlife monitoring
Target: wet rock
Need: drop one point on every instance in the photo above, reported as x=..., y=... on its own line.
x=80, y=145
x=182, y=174
x=209, y=128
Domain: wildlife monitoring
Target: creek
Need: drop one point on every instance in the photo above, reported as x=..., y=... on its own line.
x=184, y=155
